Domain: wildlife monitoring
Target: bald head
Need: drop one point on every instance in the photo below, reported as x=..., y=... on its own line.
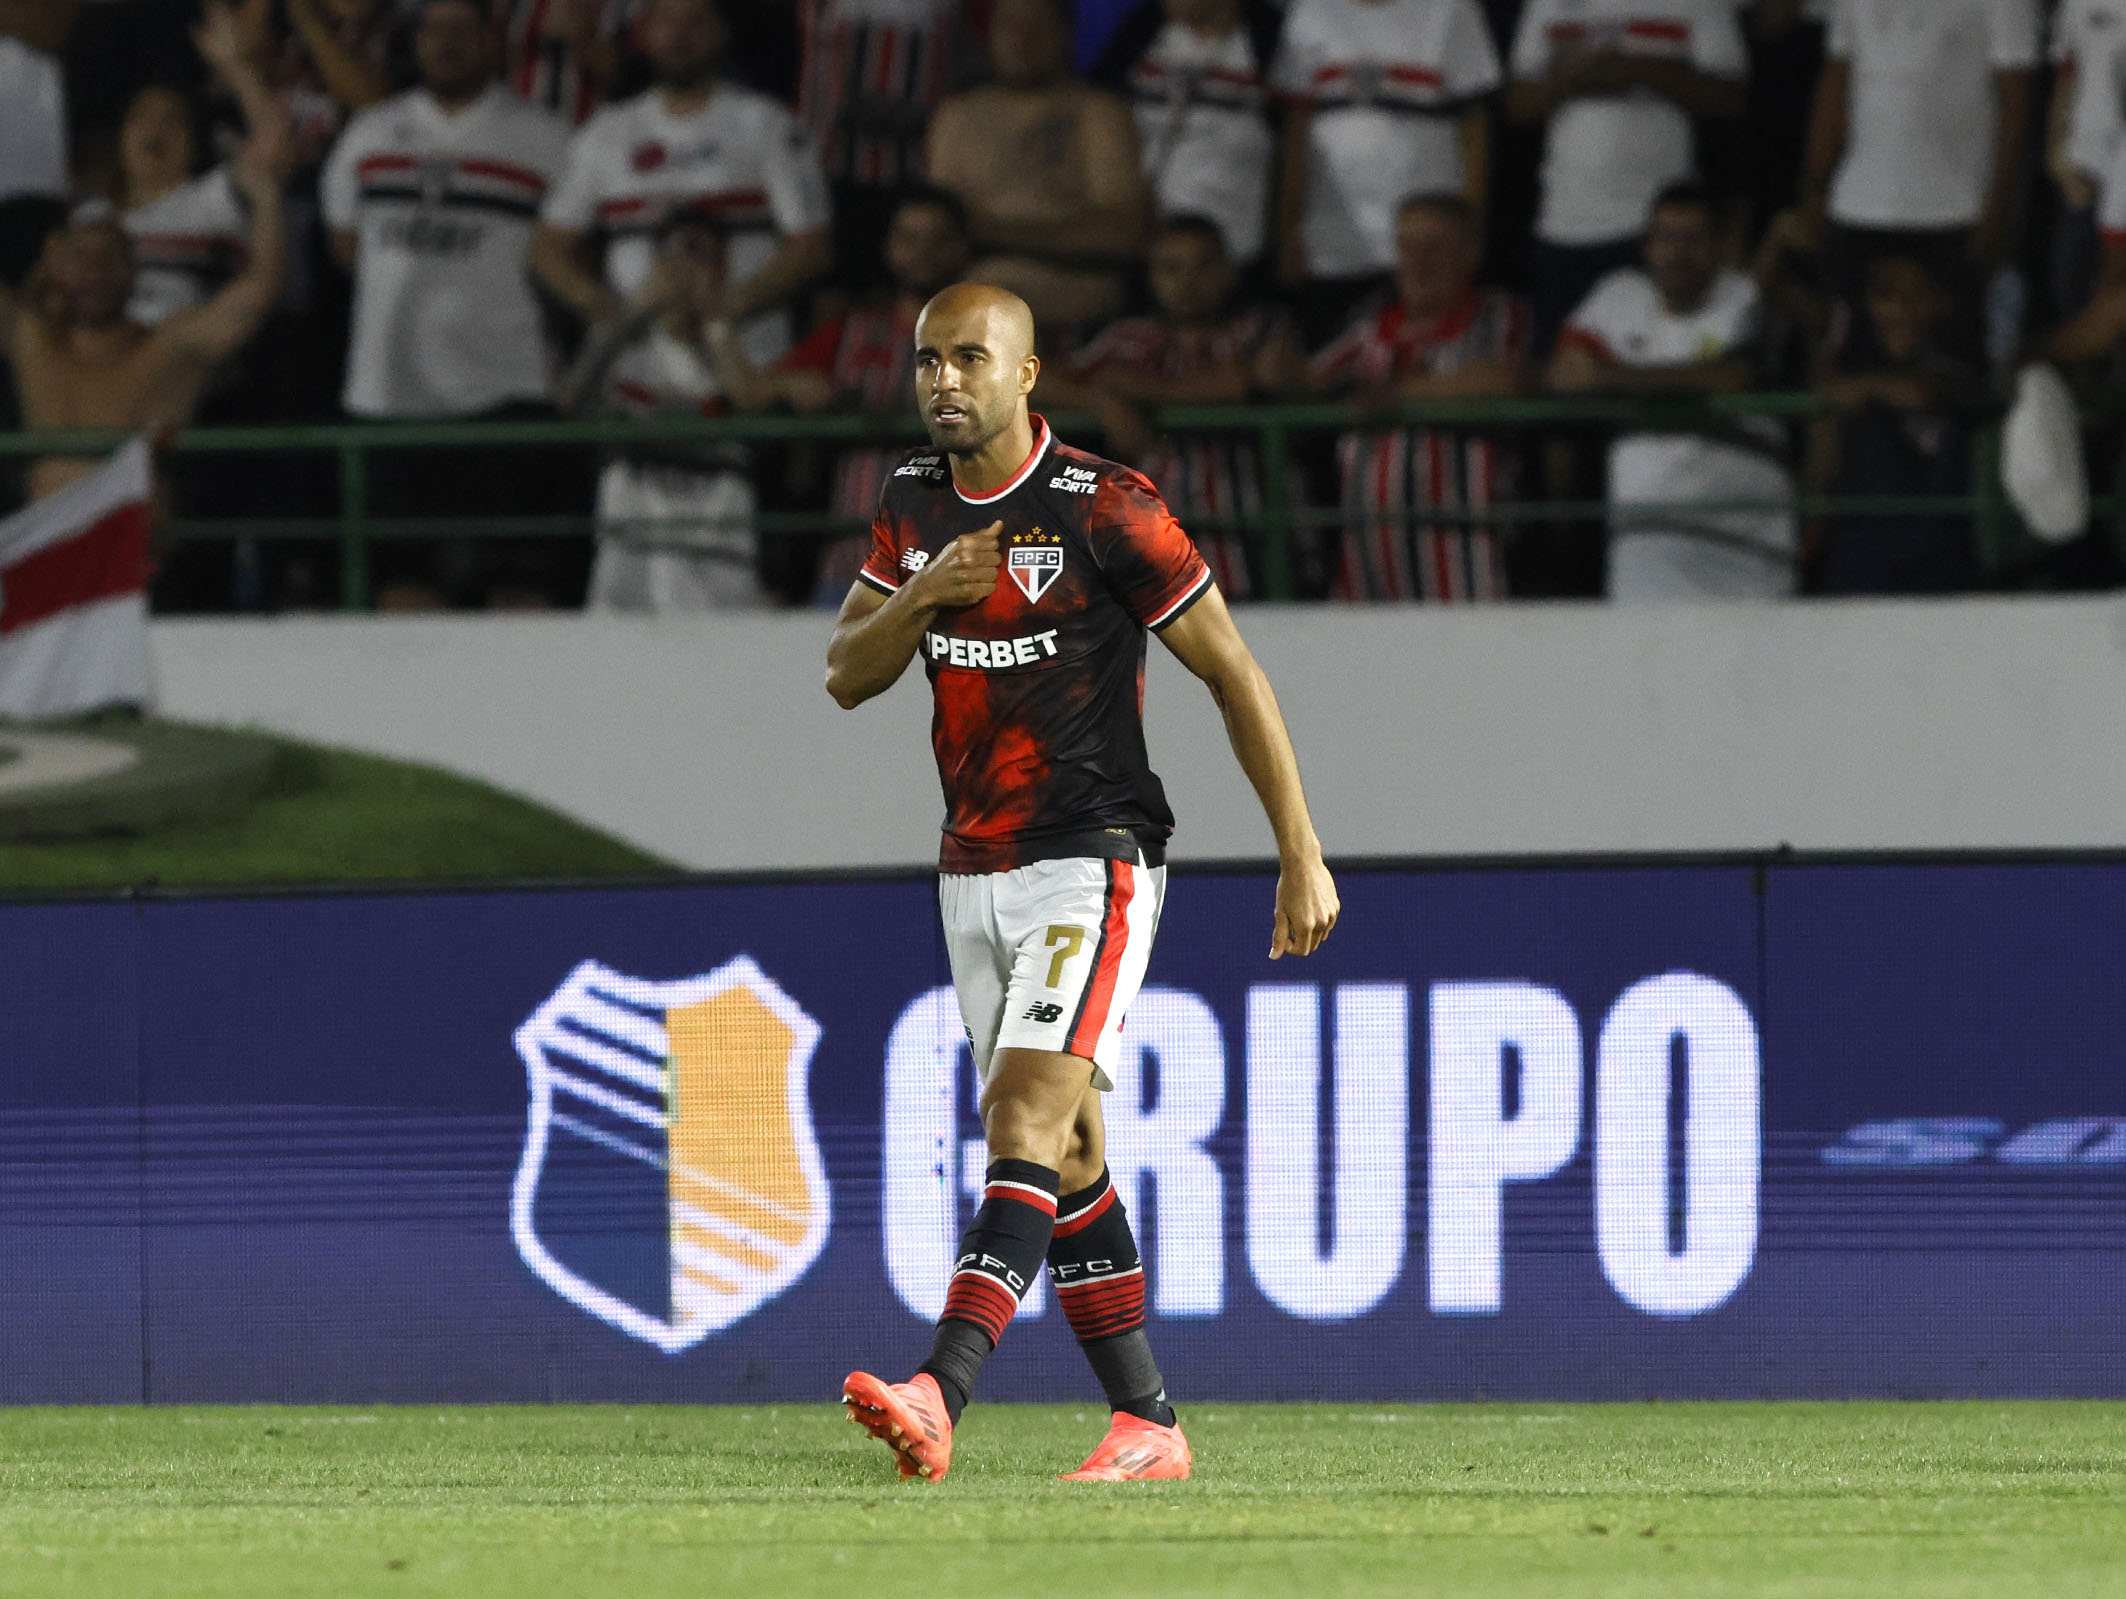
x=1001, y=317
x=974, y=365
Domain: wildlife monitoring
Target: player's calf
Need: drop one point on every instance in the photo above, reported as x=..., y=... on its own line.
x=1099, y=1279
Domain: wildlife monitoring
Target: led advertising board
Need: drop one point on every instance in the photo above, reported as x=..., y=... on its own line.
x=1625, y=1131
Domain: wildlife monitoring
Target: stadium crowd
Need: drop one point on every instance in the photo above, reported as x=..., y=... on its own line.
x=418, y=210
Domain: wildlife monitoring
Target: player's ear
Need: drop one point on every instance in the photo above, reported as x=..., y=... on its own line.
x=1029, y=373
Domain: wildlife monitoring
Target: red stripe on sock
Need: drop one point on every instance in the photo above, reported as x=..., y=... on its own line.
x=1100, y=1309
x=1100, y=993
x=1067, y=1225
x=981, y=1299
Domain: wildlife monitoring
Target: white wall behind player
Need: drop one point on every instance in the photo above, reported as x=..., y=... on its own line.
x=1855, y=725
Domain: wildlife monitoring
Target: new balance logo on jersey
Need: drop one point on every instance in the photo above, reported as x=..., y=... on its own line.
x=914, y=560
x=1044, y=1012
x=994, y=654
x=1034, y=569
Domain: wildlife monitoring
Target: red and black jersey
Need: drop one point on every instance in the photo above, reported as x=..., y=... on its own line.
x=1039, y=690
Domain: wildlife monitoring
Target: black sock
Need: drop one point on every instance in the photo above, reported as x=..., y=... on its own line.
x=998, y=1256
x=1092, y=1260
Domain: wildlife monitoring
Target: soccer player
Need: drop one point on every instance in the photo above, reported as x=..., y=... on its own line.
x=1026, y=574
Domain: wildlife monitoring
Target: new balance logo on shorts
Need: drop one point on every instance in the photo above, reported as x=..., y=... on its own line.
x=1044, y=1012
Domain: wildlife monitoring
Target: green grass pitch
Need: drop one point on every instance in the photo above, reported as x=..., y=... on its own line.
x=1553, y=1500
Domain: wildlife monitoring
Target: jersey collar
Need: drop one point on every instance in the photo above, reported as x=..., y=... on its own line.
x=1040, y=448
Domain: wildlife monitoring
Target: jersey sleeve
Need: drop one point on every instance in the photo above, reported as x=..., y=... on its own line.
x=2111, y=203
x=224, y=210
x=1292, y=71
x=1530, y=61
x=1838, y=37
x=1148, y=559
x=1470, y=63
x=796, y=184
x=1717, y=47
x=2014, y=45
x=1602, y=319
x=2059, y=38
x=881, y=570
x=572, y=202
x=339, y=185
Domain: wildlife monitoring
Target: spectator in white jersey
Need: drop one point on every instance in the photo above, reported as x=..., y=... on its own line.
x=676, y=522
x=1206, y=344
x=431, y=197
x=33, y=130
x=1442, y=337
x=2084, y=128
x=1922, y=126
x=1616, y=84
x=1197, y=73
x=699, y=144
x=188, y=227
x=1683, y=324
x=1383, y=99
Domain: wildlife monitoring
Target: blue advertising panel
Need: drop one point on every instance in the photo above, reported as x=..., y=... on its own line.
x=1572, y=1132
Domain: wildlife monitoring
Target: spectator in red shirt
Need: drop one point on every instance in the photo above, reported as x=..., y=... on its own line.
x=1443, y=337
x=564, y=54
x=864, y=359
x=1202, y=346
x=870, y=75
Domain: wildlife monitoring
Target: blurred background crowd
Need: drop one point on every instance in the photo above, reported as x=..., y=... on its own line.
x=431, y=210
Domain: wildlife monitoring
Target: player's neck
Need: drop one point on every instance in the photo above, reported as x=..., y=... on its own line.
x=996, y=463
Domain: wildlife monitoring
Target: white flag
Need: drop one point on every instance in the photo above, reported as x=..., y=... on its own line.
x=73, y=595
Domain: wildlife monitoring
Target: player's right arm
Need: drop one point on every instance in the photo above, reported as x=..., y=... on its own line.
x=877, y=635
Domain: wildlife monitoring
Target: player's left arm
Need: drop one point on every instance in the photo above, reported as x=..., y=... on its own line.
x=1206, y=641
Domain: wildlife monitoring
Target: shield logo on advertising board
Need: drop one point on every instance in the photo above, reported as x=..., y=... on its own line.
x=671, y=1182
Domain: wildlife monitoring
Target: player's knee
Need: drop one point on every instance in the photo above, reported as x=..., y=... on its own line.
x=1022, y=1127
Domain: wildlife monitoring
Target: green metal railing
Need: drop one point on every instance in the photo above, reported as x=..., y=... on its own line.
x=1274, y=430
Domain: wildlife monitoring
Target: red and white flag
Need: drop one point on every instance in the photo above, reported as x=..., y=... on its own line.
x=73, y=595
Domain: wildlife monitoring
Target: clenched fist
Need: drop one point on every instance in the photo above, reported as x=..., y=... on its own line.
x=965, y=571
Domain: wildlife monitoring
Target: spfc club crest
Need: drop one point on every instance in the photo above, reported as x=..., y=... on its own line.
x=1036, y=566
x=671, y=1183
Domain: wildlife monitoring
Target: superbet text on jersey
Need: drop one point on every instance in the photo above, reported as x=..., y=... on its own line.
x=1039, y=689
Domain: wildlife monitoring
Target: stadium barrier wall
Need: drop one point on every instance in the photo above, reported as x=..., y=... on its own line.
x=1756, y=1128
x=1969, y=724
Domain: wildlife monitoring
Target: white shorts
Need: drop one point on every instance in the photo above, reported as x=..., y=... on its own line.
x=1050, y=956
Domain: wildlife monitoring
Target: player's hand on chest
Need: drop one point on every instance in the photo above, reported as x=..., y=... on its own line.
x=1028, y=585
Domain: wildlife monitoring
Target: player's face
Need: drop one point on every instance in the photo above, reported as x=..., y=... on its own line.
x=1435, y=260
x=684, y=40
x=1029, y=42
x=453, y=49
x=925, y=249
x=1190, y=275
x=155, y=141
x=970, y=377
x=1682, y=255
